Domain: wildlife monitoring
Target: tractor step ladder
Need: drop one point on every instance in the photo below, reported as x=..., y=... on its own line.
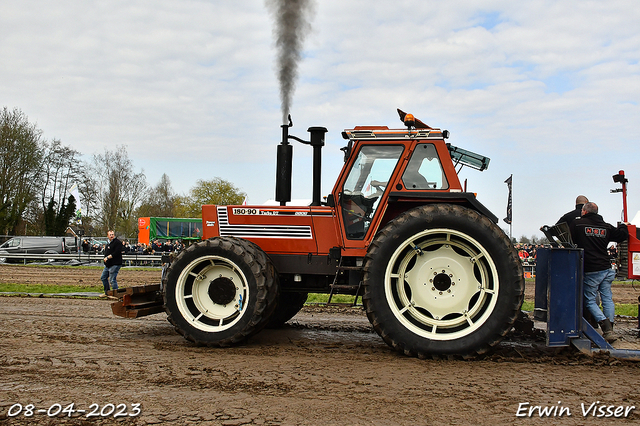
x=346, y=288
x=559, y=300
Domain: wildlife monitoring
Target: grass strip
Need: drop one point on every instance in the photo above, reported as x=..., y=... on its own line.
x=621, y=308
x=319, y=298
x=47, y=289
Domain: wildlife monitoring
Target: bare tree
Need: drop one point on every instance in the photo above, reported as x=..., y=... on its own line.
x=120, y=191
x=130, y=200
x=160, y=200
x=61, y=168
x=89, y=190
x=21, y=151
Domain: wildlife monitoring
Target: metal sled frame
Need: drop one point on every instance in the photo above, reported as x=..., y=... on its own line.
x=560, y=278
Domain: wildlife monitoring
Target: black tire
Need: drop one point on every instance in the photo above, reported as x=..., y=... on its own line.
x=50, y=252
x=462, y=282
x=289, y=304
x=220, y=291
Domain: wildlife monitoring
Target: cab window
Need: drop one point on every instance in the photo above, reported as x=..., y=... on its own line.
x=424, y=170
x=365, y=185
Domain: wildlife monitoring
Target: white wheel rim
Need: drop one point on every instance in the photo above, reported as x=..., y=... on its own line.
x=193, y=298
x=441, y=284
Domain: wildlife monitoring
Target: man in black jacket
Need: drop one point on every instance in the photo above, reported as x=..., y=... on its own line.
x=591, y=233
x=112, y=262
x=569, y=217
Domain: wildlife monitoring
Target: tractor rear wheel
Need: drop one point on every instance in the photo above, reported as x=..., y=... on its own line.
x=220, y=291
x=442, y=280
x=289, y=304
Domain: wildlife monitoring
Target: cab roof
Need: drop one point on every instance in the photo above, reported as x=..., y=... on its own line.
x=383, y=132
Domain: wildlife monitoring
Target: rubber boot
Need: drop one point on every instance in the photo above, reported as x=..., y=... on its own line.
x=607, y=330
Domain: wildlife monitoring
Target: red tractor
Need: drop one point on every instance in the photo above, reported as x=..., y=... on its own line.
x=436, y=273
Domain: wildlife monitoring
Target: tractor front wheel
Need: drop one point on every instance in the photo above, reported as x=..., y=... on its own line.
x=220, y=291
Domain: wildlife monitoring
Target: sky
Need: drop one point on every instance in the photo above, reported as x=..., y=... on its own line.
x=548, y=90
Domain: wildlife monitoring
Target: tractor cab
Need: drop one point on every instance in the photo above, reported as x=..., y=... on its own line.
x=390, y=170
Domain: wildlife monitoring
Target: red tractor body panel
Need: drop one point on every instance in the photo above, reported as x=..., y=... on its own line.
x=276, y=229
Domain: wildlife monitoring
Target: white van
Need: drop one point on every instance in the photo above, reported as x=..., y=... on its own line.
x=38, y=245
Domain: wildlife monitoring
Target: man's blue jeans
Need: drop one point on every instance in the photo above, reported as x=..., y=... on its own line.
x=109, y=274
x=599, y=282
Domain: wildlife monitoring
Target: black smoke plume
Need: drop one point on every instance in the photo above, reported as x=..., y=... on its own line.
x=292, y=19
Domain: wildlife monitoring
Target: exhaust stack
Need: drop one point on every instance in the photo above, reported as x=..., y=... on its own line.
x=283, y=166
x=285, y=158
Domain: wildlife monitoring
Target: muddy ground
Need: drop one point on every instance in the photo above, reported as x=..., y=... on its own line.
x=326, y=367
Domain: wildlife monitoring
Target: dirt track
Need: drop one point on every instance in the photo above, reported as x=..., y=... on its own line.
x=50, y=275
x=325, y=368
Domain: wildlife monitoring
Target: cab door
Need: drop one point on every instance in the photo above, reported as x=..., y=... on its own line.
x=363, y=190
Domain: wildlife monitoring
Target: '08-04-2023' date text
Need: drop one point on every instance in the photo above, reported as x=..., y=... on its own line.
x=70, y=410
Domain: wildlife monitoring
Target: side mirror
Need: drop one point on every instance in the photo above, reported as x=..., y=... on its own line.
x=330, y=201
x=347, y=150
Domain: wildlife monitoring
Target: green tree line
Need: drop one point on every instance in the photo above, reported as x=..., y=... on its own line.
x=37, y=175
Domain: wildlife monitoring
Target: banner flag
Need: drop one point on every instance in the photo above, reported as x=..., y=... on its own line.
x=509, y=216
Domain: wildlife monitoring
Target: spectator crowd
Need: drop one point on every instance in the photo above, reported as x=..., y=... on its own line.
x=156, y=247
x=527, y=252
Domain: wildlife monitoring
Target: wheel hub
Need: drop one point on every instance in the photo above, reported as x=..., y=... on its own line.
x=442, y=282
x=222, y=290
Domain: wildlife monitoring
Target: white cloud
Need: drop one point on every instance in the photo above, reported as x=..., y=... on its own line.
x=549, y=90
